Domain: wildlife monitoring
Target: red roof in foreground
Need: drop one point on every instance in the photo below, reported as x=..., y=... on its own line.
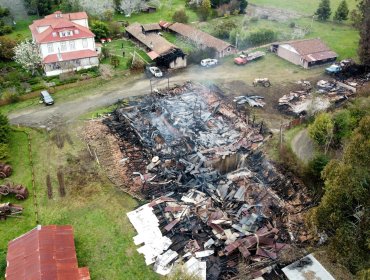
x=70, y=56
x=44, y=253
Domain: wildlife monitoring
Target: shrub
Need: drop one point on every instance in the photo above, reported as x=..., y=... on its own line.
x=292, y=24
x=321, y=131
x=105, y=52
x=114, y=61
x=223, y=28
x=180, y=16
x=100, y=29
x=6, y=48
x=4, y=152
x=115, y=29
x=4, y=129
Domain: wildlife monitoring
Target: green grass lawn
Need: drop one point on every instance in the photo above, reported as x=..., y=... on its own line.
x=21, y=30
x=306, y=7
x=117, y=47
x=164, y=12
x=95, y=208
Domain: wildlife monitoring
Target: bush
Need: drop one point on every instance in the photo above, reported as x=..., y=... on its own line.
x=262, y=36
x=105, y=52
x=6, y=48
x=37, y=87
x=4, y=152
x=292, y=24
x=321, y=131
x=180, y=16
x=4, y=129
x=115, y=29
x=100, y=29
x=114, y=61
x=223, y=28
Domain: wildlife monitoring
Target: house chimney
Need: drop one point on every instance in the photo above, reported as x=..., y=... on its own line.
x=58, y=14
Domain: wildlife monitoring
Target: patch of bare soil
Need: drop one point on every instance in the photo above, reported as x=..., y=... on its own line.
x=271, y=13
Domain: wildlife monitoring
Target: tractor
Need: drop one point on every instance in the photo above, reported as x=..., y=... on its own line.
x=261, y=82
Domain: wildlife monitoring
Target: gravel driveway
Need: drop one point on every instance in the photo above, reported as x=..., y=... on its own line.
x=109, y=94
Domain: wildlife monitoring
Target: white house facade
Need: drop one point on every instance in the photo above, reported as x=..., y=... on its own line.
x=65, y=42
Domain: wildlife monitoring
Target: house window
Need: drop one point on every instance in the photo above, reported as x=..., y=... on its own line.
x=84, y=43
x=72, y=45
x=65, y=33
x=77, y=31
x=50, y=48
x=228, y=49
x=63, y=46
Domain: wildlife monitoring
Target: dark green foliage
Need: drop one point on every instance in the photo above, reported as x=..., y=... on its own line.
x=204, y=10
x=4, y=152
x=197, y=55
x=243, y=6
x=223, y=28
x=180, y=16
x=344, y=210
x=317, y=165
x=323, y=12
x=344, y=123
x=39, y=7
x=6, y=48
x=262, y=36
x=4, y=12
x=342, y=11
x=69, y=6
x=4, y=29
x=100, y=29
x=105, y=52
x=364, y=44
x=4, y=129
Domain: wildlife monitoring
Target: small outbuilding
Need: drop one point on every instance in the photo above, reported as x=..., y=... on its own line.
x=201, y=38
x=306, y=53
x=307, y=268
x=46, y=252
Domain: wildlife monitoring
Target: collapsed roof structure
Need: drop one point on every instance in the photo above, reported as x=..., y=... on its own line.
x=159, y=49
x=216, y=201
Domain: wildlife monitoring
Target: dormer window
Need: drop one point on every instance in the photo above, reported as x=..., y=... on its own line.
x=54, y=34
x=65, y=33
x=77, y=31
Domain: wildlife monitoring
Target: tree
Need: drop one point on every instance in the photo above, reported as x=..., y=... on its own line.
x=28, y=56
x=7, y=48
x=39, y=7
x=100, y=29
x=130, y=6
x=243, y=6
x=180, y=16
x=342, y=11
x=323, y=12
x=204, y=10
x=223, y=28
x=321, y=131
x=355, y=18
x=344, y=209
x=364, y=44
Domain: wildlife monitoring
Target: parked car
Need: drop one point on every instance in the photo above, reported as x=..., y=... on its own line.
x=334, y=69
x=155, y=71
x=46, y=98
x=208, y=62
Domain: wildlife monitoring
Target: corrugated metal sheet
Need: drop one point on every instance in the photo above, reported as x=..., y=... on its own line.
x=46, y=252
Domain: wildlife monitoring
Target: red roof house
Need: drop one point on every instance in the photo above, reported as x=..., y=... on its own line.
x=44, y=253
x=65, y=42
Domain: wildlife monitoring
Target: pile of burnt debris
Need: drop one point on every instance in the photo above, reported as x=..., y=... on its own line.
x=324, y=94
x=215, y=201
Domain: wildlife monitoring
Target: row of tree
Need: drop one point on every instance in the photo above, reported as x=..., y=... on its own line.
x=323, y=12
x=344, y=210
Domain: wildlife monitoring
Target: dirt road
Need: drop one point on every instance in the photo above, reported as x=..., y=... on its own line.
x=224, y=74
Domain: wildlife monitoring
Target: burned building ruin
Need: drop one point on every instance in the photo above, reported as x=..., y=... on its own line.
x=215, y=201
